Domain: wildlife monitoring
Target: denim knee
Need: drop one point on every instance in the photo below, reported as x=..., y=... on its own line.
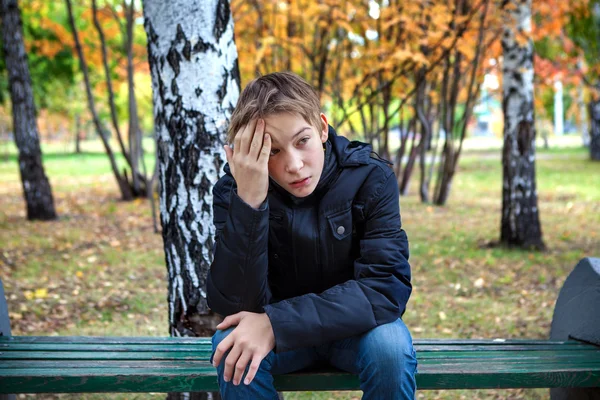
x=260, y=388
x=387, y=359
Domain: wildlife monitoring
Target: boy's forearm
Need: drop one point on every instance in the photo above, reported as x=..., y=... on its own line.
x=237, y=279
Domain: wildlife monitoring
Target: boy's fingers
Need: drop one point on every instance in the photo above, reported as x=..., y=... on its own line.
x=252, y=370
x=222, y=348
x=230, y=320
x=228, y=153
x=247, y=136
x=240, y=367
x=237, y=141
x=257, y=140
x=265, y=152
x=230, y=362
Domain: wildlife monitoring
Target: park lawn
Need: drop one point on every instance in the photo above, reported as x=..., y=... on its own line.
x=99, y=270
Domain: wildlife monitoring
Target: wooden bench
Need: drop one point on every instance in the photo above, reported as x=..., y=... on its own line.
x=105, y=364
x=47, y=364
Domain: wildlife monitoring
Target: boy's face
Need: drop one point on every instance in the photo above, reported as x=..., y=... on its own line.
x=297, y=155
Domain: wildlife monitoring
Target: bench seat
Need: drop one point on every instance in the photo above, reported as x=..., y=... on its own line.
x=46, y=364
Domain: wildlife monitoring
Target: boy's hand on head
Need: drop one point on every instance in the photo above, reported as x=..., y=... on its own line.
x=249, y=160
x=250, y=342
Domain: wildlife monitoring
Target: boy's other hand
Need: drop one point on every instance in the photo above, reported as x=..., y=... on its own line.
x=250, y=342
x=249, y=160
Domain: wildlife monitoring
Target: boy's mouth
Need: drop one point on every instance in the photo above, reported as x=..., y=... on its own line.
x=300, y=183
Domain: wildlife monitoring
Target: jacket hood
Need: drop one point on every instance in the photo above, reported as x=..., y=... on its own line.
x=349, y=153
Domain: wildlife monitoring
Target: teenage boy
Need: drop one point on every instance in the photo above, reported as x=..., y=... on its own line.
x=310, y=262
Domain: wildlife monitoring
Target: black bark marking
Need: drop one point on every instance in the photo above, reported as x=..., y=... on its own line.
x=180, y=35
x=518, y=78
x=188, y=216
x=150, y=32
x=174, y=87
x=173, y=58
x=198, y=91
x=222, y=19
x=222, y=91
x=187, y=50
x=235, y=73
x=201, y=46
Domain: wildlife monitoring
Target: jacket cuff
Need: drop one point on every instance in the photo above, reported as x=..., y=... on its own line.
x=280, y=345
x=244, y=215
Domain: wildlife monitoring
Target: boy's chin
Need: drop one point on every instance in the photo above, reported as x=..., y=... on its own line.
x=301, y=192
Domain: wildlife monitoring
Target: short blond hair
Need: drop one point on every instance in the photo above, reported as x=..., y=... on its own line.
x=275, y=93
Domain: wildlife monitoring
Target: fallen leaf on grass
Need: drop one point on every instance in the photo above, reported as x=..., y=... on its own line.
x=15, y=316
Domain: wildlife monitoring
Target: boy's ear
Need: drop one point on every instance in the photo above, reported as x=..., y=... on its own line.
x=324, y=128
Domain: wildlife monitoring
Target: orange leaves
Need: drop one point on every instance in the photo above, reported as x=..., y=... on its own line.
x=366, y=45
x=265, y=44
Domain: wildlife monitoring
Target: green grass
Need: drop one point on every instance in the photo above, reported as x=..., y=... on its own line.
x=103, y=267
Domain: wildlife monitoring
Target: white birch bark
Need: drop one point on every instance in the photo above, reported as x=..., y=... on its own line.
x=520, y=215
x=195, y=79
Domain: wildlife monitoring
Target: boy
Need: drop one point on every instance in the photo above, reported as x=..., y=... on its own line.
x=311, y=262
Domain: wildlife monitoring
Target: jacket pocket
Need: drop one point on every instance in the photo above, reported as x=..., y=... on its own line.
x=340, y=224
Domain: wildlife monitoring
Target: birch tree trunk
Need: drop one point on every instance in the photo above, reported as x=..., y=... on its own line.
x=135, y=134
x=520, y=225
x=195, y=80
x=36, y=187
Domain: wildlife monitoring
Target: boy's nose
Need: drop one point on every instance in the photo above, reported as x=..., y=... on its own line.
x=294, y=165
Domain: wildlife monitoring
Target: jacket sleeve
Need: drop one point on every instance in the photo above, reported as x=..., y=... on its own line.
x=237, y=279
x=377, y=295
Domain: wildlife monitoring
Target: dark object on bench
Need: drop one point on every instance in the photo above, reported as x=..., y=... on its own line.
x=112, y=364
x=577, y=316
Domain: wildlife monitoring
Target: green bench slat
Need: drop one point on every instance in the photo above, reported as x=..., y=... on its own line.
x=204, y=354
x=524, y=365
x=200, y=345
x=191, y=340
x=105, y=340
x=181, y=379
x=111, y=364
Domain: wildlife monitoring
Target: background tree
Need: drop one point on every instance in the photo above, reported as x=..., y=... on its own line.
x=520, y=223
x=195, y=80
x=36, y=187
x=584, y=29
x=130, y=184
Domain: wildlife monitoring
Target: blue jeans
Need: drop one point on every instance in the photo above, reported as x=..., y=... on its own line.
x=383, y=358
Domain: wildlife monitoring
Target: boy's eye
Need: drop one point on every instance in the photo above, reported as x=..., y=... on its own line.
x=303, y=140
x=274, y=151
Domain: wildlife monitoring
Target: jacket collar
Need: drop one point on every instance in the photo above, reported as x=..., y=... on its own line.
x=349, y=153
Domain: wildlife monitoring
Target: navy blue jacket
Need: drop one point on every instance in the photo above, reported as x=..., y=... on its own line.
x=325, y=267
